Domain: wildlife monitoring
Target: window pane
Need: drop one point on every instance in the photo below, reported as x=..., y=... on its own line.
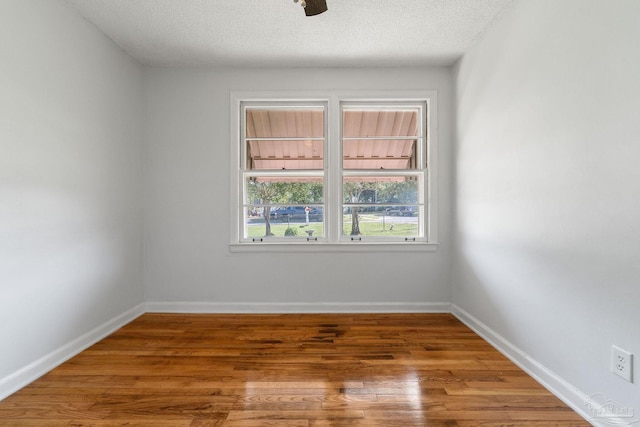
x=382, y=206
x=277, y=190
x=284, y=221
x=284, y=122
x=380, y=137
x=284, y=206
x=382, y=221
x=285, y=154
x=380, y=190
x=380, y=121
x=285, y=137
x=379, y=153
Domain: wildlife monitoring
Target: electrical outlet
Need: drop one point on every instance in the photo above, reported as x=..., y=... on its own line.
x=622, y=363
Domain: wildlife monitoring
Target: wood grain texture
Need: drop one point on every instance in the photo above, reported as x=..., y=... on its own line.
x=292, y=370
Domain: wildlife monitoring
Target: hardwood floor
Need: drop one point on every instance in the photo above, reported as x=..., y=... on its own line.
x=288, y=370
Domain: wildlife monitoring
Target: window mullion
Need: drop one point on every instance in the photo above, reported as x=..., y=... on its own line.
x=334, y=171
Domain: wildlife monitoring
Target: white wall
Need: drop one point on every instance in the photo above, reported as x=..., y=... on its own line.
x=70, y=183
x=546, y=208
x=547, y=188
x=187, y=185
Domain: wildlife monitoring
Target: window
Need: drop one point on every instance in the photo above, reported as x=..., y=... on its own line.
x=332, y=170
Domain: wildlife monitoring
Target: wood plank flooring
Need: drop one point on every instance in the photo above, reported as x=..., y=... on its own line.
x=324, y=370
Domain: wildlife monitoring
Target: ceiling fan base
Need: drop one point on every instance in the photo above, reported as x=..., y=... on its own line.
x=315, y=7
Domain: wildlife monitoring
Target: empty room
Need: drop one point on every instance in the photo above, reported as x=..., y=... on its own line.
x=319, y=213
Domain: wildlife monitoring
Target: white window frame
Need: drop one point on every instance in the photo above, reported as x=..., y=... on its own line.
x=333, y=240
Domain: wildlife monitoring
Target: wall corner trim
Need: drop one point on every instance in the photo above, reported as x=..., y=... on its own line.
x=46, y=363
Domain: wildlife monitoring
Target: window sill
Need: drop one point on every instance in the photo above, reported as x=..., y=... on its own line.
x=280, y=247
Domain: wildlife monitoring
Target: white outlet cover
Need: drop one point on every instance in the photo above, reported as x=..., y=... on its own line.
x=622, y=363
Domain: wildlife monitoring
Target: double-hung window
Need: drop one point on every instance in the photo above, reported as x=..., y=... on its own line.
x=333, y=171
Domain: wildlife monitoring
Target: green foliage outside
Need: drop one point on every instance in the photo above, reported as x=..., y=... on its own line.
x=290, y=232
x=381, y=192
x=281, y=193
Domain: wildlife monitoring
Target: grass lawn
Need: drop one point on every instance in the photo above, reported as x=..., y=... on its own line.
x=370, y=225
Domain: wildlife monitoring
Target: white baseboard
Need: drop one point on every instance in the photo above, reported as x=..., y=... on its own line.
x=35, y=370
x=570, y=395
x=299, y=307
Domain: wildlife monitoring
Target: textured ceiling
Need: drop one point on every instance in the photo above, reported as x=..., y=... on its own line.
x=276, y=33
